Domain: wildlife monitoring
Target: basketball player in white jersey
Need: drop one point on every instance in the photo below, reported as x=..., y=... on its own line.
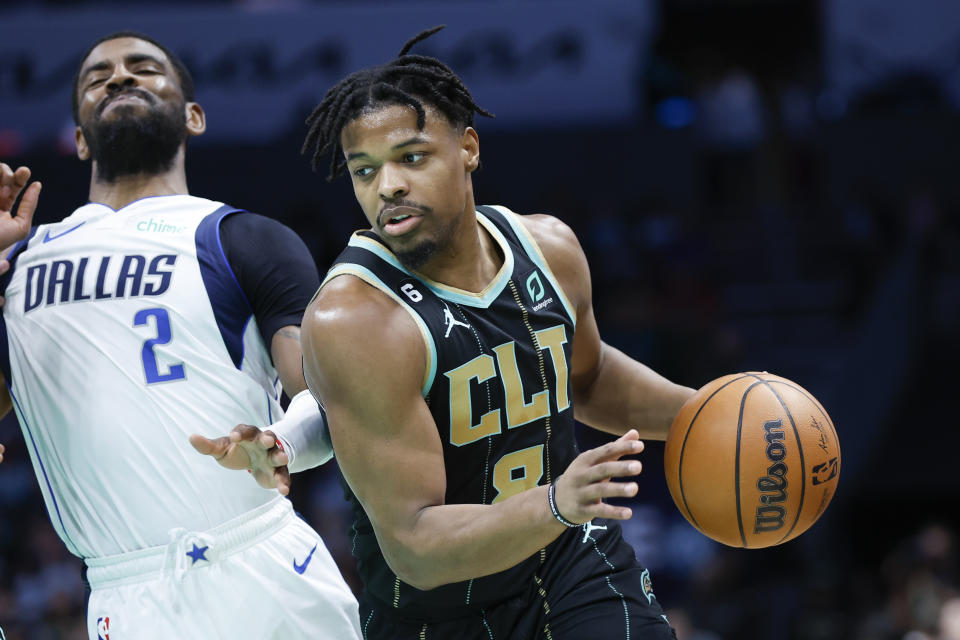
x=143, y=322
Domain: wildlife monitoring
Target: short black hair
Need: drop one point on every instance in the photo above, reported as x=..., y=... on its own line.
x=183, y=75
x=408, y=80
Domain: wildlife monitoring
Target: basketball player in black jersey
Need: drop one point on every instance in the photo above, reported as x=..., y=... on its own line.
x=452, y=346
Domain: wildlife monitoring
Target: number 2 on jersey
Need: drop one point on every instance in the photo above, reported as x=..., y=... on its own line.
x=150, y=365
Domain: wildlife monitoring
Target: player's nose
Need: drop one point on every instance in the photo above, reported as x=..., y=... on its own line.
x=121, y=78
x=393, y=183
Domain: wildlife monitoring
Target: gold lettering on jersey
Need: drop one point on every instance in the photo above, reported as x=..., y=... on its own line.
x=518, y=471
x=519, y=412
x=462, y=429
x=553, y=339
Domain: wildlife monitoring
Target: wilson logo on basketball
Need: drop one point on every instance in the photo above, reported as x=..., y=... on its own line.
x=773, y=486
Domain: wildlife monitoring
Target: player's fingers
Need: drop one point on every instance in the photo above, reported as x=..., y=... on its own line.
x=216, y=447
x=244, y=433
x=612, y=469
x=278, y=457
x=223, y=450
x=6, y=177
x=609, y=511
x=281, y=477
x=601, y=490
x=28, y=204
x=21, y=176
x=1, y=452
x=266, y=439
x=622, y=446
x=4, y=266
x=264, y=479
x=11, y=183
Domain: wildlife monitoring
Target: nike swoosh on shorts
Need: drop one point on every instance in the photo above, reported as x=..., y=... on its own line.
x=300, y=568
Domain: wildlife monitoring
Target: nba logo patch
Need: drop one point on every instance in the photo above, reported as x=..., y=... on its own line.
x=647, y=584
x=103, y=628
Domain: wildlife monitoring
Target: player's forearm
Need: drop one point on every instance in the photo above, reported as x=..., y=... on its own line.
x=626, y=394
x=288, y=359
x=455, y=542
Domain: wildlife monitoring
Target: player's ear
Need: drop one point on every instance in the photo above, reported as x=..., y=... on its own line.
x=83, y=151
x=196, y=119
x=470, y=149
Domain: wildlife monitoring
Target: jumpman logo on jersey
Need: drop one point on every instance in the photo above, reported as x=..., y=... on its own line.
x=450, y=321
x=588, y=527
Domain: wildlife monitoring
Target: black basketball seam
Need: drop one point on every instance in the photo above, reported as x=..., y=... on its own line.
x=803, y=464
x=807, y=395
x=823, y=412
x=836, y=439
x=736, y=467
x=683, y=446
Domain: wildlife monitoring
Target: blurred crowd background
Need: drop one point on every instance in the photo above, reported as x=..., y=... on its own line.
x=759, y=185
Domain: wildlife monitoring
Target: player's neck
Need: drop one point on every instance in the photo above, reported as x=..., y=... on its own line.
x=471, y=263
x=124, y=190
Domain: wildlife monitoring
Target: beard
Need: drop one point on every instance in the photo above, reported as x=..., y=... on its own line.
x=131, y=143
x=417, y=256
x=414, y=257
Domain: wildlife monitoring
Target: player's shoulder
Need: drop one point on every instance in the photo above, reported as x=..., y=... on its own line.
x=555, y=239
x=559, y=245
x=548, y=231
x=351, y=322
x=346, y=303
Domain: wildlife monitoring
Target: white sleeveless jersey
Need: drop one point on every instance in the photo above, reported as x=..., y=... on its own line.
x=126, y=331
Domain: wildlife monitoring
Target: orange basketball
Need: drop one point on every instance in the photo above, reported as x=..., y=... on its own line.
x=752, y=460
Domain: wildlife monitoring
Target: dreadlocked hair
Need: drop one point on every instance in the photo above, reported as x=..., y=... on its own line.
x=409, y=80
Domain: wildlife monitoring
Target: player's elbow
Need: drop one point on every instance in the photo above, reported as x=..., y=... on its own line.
x=412, y=561
x=415, y=575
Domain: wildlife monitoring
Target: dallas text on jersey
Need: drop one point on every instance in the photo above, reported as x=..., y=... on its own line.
x=60, y=281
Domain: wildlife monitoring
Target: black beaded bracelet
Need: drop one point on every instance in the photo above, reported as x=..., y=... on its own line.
x=552, y=500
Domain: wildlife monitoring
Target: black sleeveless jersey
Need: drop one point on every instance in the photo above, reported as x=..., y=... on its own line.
x=498, y=386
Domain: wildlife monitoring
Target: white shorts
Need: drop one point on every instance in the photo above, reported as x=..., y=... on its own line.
x=264, y=575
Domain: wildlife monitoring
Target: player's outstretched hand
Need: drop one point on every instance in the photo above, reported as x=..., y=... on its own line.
x=580, y=490
x=1, y=452
x=14, y=228
x=248, y=447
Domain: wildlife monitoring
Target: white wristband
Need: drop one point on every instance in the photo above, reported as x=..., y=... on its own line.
x=303, y=434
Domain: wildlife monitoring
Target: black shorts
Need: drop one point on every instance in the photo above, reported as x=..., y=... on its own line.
x=590, y=587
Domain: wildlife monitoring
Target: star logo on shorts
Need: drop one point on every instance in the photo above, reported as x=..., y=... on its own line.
x=197, y=553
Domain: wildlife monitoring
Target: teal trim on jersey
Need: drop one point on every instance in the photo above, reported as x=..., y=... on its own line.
x=480, y=300
x=370, y=278
x=533, y=250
